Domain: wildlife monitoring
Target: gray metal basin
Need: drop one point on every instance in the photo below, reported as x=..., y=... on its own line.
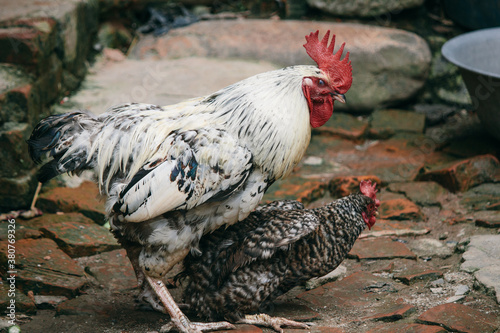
x=477, y=54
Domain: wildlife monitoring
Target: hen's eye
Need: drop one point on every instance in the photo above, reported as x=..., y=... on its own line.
x=321, y=82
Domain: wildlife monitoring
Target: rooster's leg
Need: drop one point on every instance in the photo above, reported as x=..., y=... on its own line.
x=275, y=323
x=179, y=319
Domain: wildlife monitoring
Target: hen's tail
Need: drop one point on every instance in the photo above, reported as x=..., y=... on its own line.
x=66, y=139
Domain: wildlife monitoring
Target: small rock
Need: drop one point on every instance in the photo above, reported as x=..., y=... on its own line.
x=425, y=247
x=482, y=197
x=438, y=282
x=437, y=290
x=443, y=236
x=113, y=55
x=334, y=275
x=454, y=299
x=48, y=302
x=482, y=259
x=313, y=160
x=487, y=219
x=461, y=289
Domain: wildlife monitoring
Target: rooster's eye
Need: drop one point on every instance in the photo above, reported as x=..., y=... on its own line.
x=321, y=82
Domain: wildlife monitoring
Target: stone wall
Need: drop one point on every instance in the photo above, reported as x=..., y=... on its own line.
x=43, y=52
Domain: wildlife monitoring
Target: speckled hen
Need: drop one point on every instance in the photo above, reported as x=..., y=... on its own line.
x=276, y=248
x=172, y=174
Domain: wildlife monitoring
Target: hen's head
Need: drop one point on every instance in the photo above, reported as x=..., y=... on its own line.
x=331, y=84
x=369, y=190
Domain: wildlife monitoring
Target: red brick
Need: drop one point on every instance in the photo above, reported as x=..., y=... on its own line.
x=344, y=125
x=44, y=269
x=417, y=276
x=461, y=176
x=243, y=329
x=407, y=328
x=355, y=290
x=343, y=186
x=80, y=239
x=293, y=311
x=380, y=248
x=392, y=312
x=84, y=199
x=296, y=188
x=394, y=228
x=400, y=209
x=459, y=318
x=84, y=305
x=112, y=270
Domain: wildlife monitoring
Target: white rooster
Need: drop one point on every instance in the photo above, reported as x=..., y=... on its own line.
x=172, y=174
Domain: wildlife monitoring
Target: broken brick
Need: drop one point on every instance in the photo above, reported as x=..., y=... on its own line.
x=463, y=175
x=379, y=248
x=83, y=199
x=343, y=186
x=43, y=268
x=412, y=277
x=459, y=318
x=400, y=209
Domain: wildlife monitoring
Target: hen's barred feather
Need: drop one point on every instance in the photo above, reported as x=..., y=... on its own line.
x=277, y=247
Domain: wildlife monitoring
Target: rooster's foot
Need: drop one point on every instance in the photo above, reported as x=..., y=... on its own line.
x=272, y=322
x=178, y=320
x=197, y=327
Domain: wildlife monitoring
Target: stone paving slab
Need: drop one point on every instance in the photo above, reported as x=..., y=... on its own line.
x=112, y=270
x=392, y=313
x=80, y=239
x=421, y=193
x=459, y=318
x=374, y=85
x=160, y=82
x=483, y=259
x=407, y=328
x=388, y=228
x=44, y=269
x=385, y=123
x=380, y=248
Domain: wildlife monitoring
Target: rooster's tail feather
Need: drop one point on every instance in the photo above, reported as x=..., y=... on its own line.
x=66, y=139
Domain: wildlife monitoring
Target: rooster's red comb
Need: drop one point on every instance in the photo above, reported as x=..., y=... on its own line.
x=339, y=71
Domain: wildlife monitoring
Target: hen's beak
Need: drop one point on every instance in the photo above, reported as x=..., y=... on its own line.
x=339, y=97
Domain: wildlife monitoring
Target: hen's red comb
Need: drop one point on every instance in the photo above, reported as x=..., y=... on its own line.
x=339, y=71
x=368, y=189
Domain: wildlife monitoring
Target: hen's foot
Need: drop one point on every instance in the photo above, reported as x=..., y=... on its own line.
x=272, y=322
x=178, y=320
x=199, y=327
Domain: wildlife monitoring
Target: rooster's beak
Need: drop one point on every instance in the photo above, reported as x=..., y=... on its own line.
x=339, y=97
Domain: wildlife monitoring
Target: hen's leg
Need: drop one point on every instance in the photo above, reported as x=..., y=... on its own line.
x=179, y=319
x=275, y=323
